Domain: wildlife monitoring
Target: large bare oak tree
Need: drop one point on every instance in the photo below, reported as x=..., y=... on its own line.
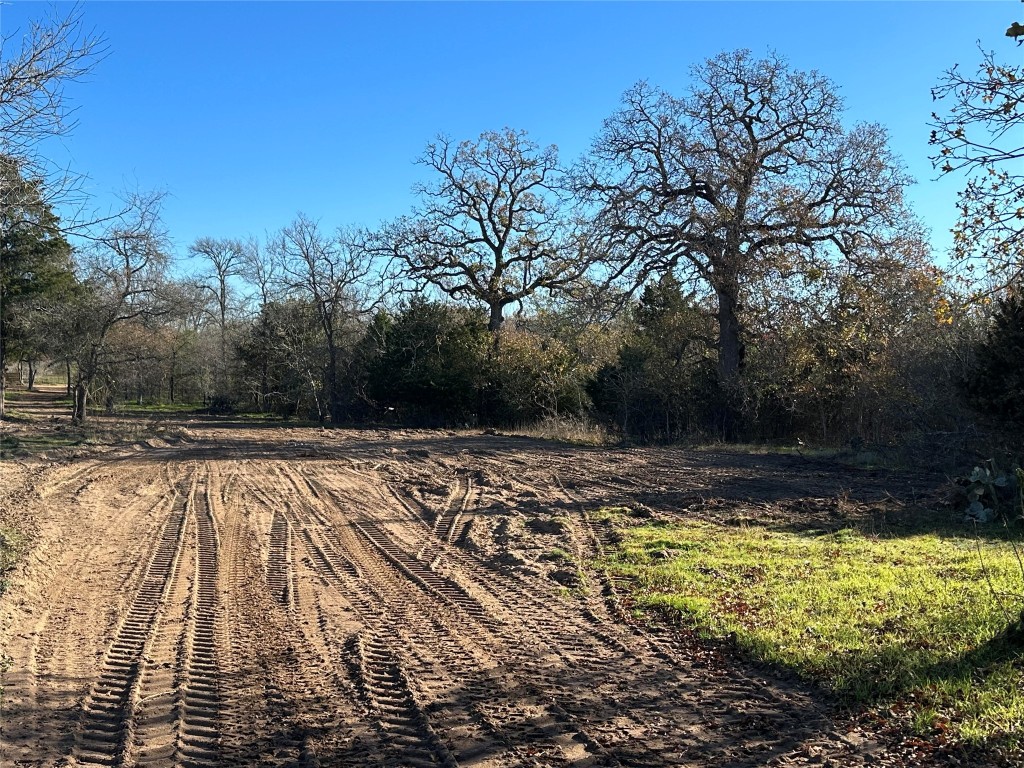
x=751, y=171
x=489, y=227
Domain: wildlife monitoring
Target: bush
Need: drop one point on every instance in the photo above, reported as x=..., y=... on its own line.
x=531, y=378
x=663, y=385
x=995, y=386
x=430, y=367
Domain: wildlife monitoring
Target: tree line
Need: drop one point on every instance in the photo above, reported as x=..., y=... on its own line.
x=732, y=262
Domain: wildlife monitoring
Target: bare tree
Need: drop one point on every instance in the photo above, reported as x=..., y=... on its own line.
x=330, y=272
x=489, y=228
x=124, y=277
x=53, y=52
x=260, y=270
x=225, y=258
x=750, y=172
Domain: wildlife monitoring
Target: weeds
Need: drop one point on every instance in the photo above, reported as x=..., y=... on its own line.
x=12, y=546
x=577, y=431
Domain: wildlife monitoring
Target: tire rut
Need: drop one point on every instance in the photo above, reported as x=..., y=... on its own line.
x=559, y=729
x=105, y=724
x=385, y=685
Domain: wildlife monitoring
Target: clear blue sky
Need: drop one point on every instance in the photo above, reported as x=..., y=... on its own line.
x=247, y=112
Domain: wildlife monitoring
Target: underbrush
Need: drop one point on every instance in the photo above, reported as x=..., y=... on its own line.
x=916, y=621
x=158, y=408
x=575, y=430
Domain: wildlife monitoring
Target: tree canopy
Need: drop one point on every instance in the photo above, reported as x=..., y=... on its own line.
x=490, y=226
x=751, y=172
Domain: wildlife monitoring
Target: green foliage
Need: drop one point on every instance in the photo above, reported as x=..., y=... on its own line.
x=866, y=356
x=532, y=378
x=995, y=386
x=282, y=360
x=663, y=384
x=429, y=368
x=920, y=618
x=36, y=270
x=990, y=492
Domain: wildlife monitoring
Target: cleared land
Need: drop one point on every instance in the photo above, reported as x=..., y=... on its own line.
x=230, y=593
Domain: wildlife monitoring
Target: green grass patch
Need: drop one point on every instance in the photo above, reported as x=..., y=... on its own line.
x=134, y=409
x=557, y=555
x=22, y=446
x=12, y=547
x=920, y=618
x=612, y=515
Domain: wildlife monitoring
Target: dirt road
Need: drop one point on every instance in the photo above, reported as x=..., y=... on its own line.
x=242, y=595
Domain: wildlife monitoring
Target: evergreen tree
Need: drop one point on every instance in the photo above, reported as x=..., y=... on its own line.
x=996, y=385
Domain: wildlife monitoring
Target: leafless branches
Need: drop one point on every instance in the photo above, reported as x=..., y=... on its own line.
x=747, y=172
x=53, y=52
x=490, y=225
x=981, y=136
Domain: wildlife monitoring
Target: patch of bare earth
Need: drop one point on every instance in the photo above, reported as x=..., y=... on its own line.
x=302, y=597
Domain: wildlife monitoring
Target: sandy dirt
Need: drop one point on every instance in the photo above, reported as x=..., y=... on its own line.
x=228, y=594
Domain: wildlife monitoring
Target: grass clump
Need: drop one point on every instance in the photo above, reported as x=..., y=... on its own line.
x=920, y=618
x=565, y=429
x=146, y=409
x=12, y=547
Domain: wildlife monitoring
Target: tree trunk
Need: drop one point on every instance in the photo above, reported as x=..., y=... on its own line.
x=264, y=384
x=31, y=375
x=730, y=358
x=3, y=376
x=222, y=385
x=730, y=345
x=80, y=402
x=138, y=383
x=333, y=395
x=170, y=381
x=497, y=318
x=67, y=369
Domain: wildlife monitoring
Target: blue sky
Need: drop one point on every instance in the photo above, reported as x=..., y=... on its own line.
x=248, y=112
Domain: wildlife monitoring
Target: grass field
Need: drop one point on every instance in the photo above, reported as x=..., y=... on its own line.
x=918, y=618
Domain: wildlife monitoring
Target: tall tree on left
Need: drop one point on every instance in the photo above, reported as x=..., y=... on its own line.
x=36, y=64
x=36, y=269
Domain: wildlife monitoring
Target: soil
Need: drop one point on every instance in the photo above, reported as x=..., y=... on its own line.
x=224, y=593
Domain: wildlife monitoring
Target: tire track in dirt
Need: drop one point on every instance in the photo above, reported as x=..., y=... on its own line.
x=55, y=666
x=155, y=701
x=411, y=738
x=516, y=594
x=279, y=561
x=449, y=525
x=594, y=646
x=421, y=574
x=383, y=682
x=530, y=717
x=286, y=667
x=198, y=729
x=414, y=633
x=105, y=731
